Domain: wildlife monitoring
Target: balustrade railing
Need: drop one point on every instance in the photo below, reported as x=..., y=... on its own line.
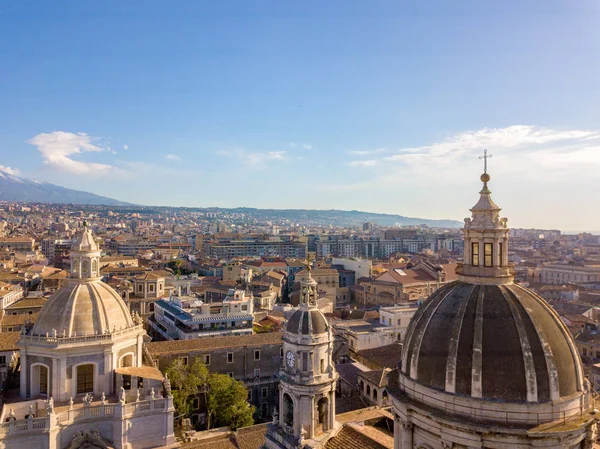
x=92, y=412
x=24, y=425
x=57, y=339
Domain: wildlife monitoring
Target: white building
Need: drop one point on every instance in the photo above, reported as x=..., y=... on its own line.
x=9, y=294
x=362, y=267
x=72, y=363
x=178, y=318
x=397, y=317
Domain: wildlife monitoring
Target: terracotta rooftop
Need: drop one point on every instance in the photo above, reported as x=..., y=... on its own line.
x=385, y=356
x=379, y=378
x=200, y=344
x=252, y=437
x=18, y=320
x=27, y=303
x=8, y=341
x=363, y=415
x=351, y=438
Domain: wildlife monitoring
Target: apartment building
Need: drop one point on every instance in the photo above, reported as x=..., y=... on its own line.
x=188, y=318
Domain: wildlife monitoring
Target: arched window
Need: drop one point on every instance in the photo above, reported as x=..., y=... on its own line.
x=126, y=360
x=368, y=390
x=94, y=267
x=85, y=268
x=323, y=414
x=85, y=379
x=374, y=394
x=40, y=380
x=288, y=412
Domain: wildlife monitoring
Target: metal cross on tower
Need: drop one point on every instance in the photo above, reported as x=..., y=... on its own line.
x=485, y=157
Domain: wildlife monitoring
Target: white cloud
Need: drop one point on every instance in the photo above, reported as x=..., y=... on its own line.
x=173, y=157
x=365, y=152
x=276, y=155
x=305, y=146
x=369, y=163
x=58, y=148
x=516, y=148
x=253, y=158
x=125, y=147
x=9, y=170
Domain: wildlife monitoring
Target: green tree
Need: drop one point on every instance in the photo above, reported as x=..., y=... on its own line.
x=227, y=403
x=186, y=382
x=175, y=265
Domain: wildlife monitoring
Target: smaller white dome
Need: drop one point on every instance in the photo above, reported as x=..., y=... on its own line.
x=83, y=308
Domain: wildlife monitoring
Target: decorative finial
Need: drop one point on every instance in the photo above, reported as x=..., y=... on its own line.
x=308, y=267
x=485, y=177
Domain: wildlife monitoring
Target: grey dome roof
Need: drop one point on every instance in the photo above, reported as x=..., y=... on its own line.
x=306, y=322
x=494, y=342
x=83, y=308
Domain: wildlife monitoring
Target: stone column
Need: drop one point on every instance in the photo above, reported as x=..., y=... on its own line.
x=139, y=351
x=397, y=432
x=331, y=412
x=407, y=434
x=106, y=374
x=54, y=385
x=24, y=373
x=481, y=251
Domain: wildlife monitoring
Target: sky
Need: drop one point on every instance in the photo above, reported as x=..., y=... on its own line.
x=380, y=106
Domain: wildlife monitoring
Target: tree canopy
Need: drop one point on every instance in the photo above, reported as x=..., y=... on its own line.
x=225, y=397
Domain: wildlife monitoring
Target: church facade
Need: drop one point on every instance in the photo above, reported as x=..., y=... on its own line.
x=78, y=364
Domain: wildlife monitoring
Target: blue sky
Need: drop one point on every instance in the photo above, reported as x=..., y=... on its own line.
x=378, y=106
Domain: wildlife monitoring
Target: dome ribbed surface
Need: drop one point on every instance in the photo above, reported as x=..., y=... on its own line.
x=306, y=322
x=83, y=308
x=496, y=342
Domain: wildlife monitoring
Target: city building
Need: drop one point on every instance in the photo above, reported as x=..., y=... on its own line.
x=229, y=249
x=563, y=274
x=487, y=362
x=16, y=244
x=252, y=359
x=178, y=318
x=363, y=268
x=412, y=283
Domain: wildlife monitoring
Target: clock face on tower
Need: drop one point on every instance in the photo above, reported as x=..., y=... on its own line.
x=290, y=359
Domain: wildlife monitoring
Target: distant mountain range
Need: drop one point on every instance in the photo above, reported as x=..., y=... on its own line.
x=13, y=188
x=341, y=217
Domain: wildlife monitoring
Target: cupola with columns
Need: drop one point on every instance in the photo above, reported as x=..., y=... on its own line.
x=85, y=256
x=486, y=241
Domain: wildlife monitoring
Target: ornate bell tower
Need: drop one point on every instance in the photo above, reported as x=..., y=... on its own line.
x=308, y=377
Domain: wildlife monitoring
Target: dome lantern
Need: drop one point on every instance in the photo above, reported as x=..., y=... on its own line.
x=486, y=240
x=85, y=256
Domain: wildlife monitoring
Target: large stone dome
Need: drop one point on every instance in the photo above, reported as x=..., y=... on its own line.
x=83, y=308
x=494, y=342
